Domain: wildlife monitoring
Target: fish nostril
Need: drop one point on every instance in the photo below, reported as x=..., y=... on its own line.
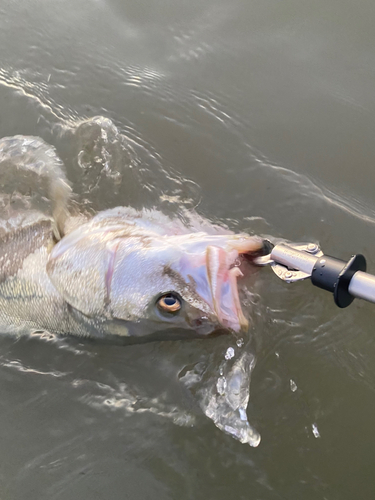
x=202, y=323
x=203, y=326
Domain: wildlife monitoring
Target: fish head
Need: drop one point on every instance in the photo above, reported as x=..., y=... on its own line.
x=186, y=282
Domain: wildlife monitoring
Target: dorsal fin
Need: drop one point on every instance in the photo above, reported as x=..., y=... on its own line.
x=27, y=164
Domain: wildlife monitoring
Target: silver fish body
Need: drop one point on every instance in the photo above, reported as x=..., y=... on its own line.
x=104, y=278
x=123, y=273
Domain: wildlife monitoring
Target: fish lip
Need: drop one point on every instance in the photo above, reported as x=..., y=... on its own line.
x=211, y=270
x=223, y=272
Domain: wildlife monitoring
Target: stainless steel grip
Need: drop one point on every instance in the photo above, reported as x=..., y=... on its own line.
x=362, y=286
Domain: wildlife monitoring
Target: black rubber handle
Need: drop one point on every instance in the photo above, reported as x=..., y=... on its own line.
x=334, y=275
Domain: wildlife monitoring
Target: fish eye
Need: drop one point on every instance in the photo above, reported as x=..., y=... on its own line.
x=169, y=302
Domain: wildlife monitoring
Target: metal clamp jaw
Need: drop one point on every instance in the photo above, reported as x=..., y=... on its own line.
x=285, y=263
x=297, y=261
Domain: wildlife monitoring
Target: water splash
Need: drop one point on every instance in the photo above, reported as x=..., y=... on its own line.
x=31, y=174
x=100, y=158
x=224, y=397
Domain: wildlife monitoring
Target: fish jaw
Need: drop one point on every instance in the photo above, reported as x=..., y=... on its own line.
x=214, y=274
x=222, y=278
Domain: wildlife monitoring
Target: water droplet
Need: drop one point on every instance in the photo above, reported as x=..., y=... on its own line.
x=315, y=431
x=293, y=386
x=240, y=342
x=230, y=353
x=221, y=385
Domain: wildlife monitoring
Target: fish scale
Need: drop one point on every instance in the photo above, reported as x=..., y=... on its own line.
x=106, y=277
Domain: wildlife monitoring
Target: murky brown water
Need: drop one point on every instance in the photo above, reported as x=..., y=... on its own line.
x=262, y=114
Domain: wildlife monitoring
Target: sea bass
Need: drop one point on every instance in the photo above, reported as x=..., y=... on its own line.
x=122, y=273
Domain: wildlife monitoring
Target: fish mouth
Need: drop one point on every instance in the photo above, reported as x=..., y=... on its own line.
x=213, y=274
x=223, y=272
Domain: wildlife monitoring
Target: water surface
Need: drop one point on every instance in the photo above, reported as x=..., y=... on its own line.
x=261, y=115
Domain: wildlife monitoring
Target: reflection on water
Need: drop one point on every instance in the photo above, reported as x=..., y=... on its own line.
x=260, y=114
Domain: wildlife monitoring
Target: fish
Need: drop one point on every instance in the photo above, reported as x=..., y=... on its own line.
x=119, y=274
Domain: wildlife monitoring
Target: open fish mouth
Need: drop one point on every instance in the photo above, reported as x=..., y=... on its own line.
x=222, y=273
x=212, y=267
